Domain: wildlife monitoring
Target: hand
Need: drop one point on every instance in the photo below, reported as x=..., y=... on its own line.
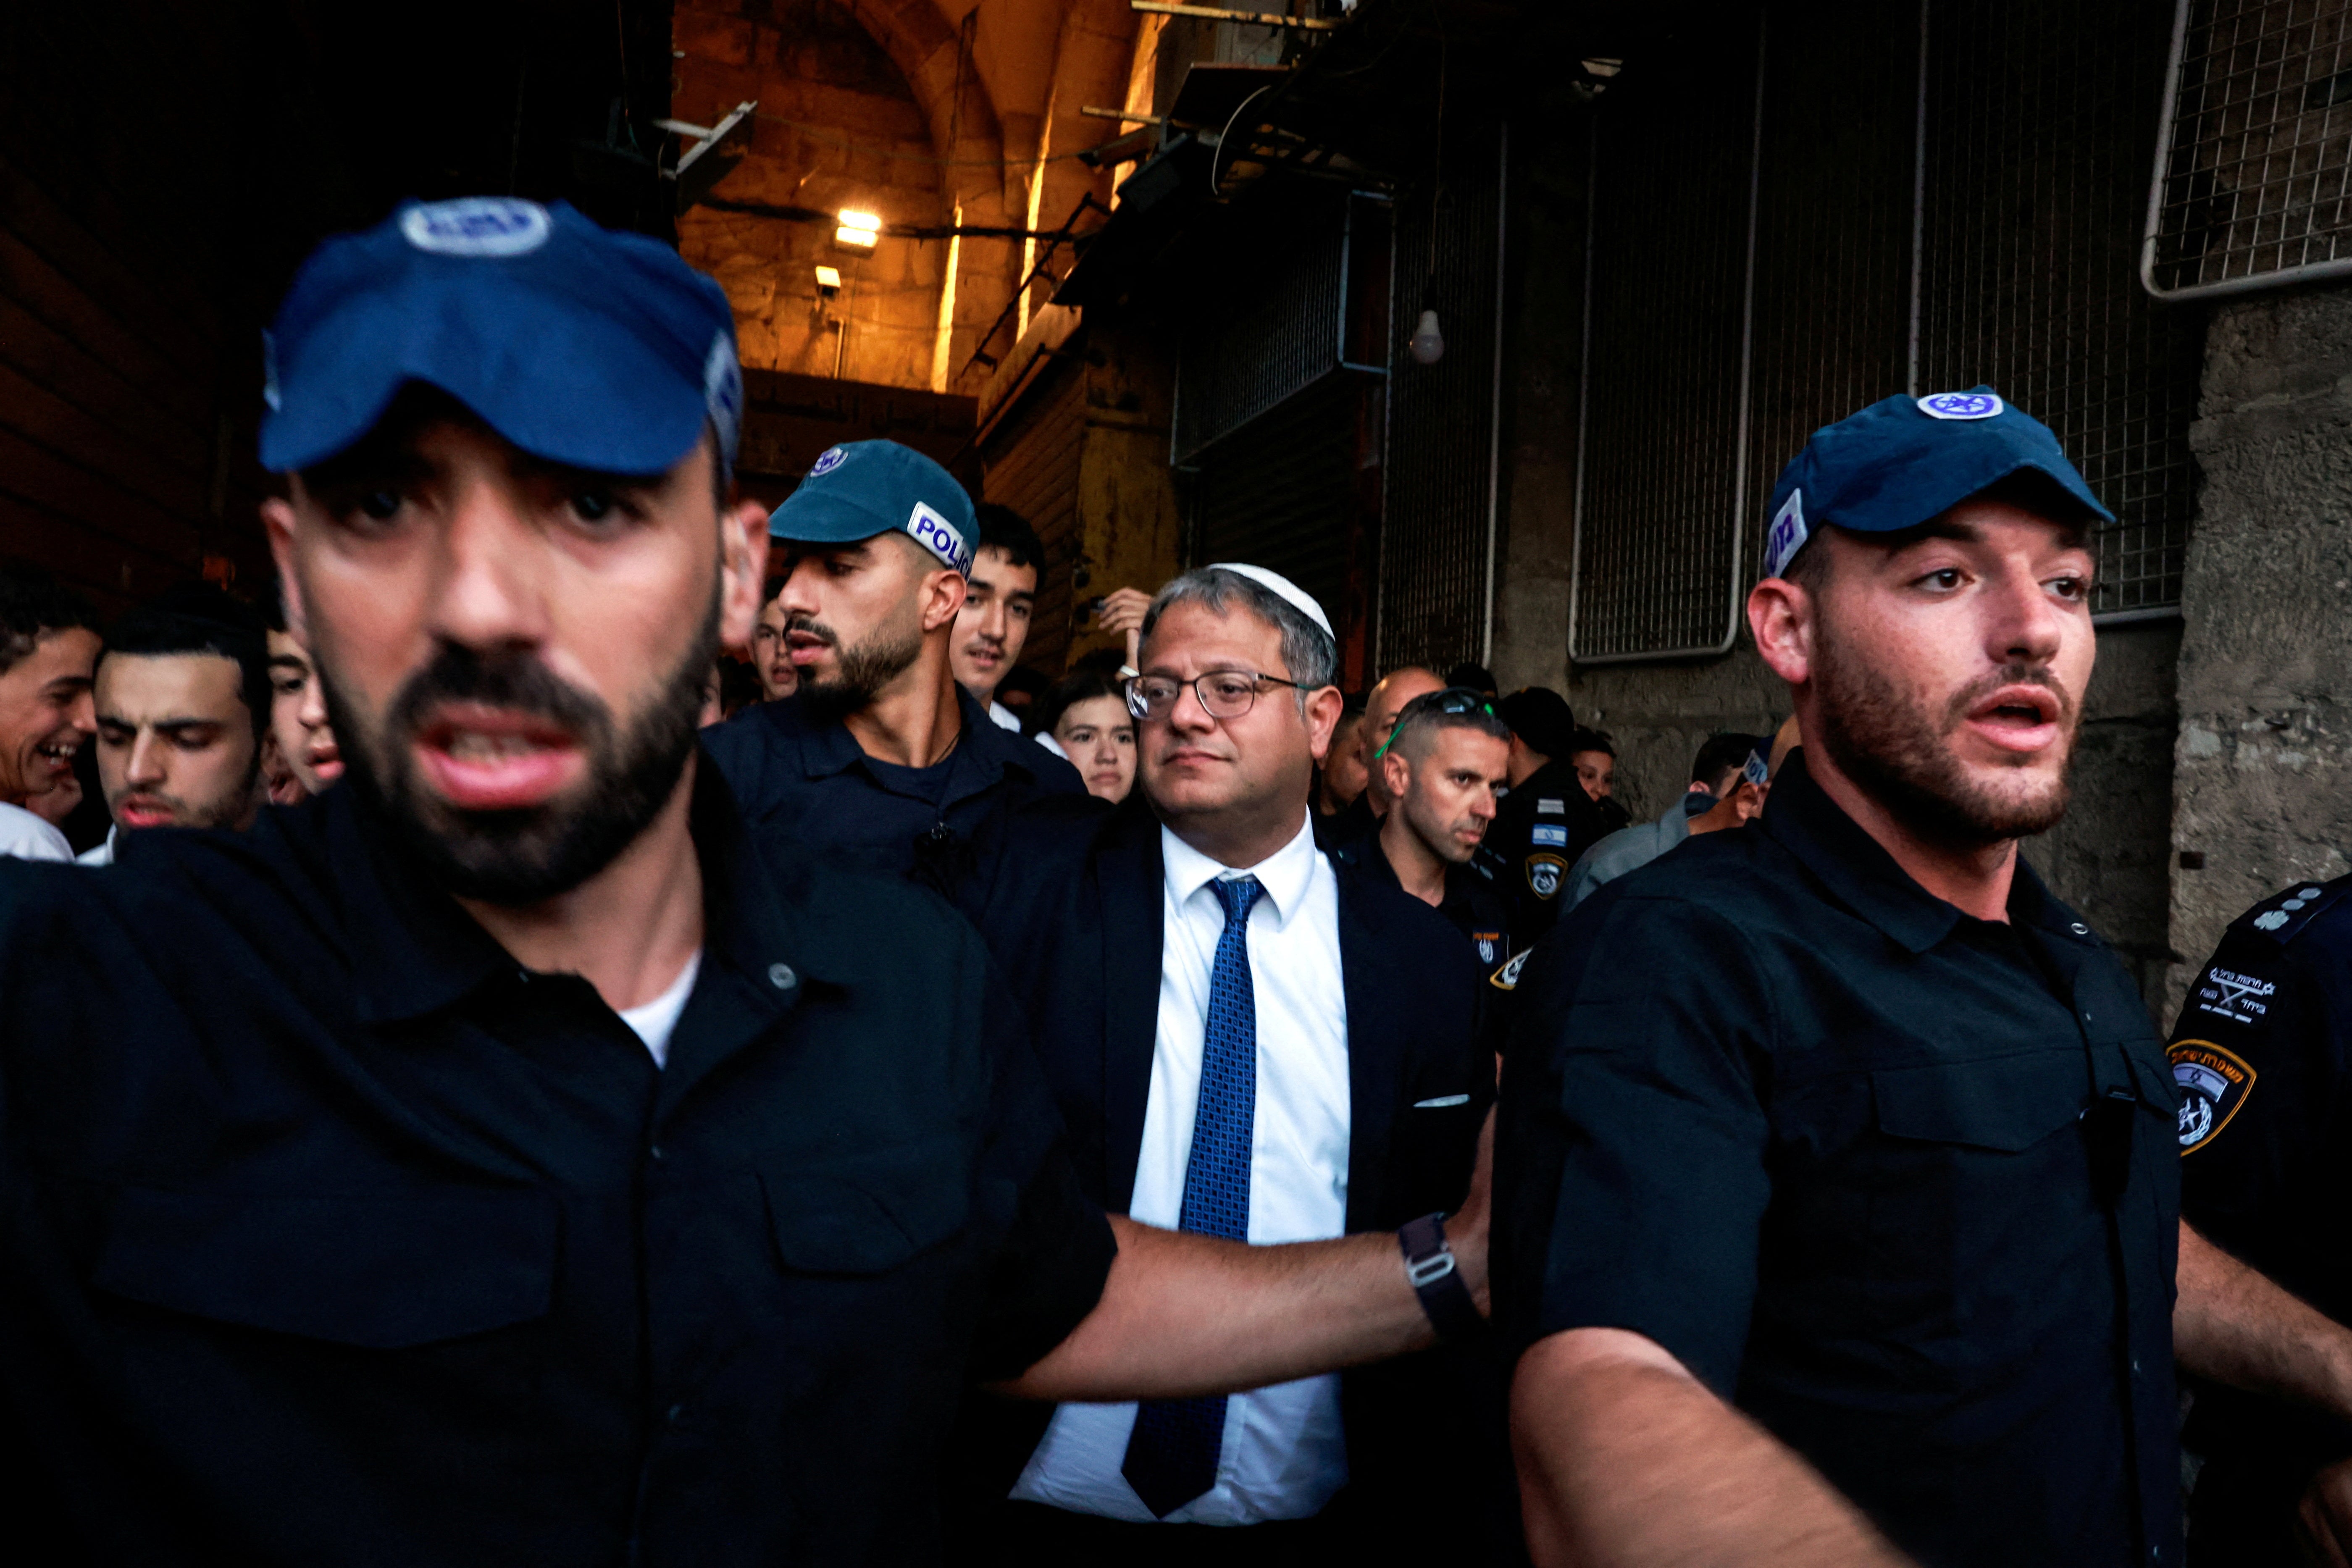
x=1466, y=1228
x=1122, y=611
x=2323, y=1521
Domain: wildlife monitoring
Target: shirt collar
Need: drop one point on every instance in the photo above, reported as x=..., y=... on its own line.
x=829, y=749
x=1285, y=875
x=418, y=952
x=1854, y=868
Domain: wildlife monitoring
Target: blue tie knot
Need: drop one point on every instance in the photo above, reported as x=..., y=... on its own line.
x=1241, y=895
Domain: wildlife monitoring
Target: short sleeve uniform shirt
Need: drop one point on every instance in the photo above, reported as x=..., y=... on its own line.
x=1898, y=1181
x=329, y=1234
x=2262, y=1054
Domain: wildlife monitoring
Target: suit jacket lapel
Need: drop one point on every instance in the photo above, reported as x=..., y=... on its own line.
x=1376, y=1051
x=1132, y=879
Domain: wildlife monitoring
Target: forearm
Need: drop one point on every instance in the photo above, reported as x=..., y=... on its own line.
x=2231, y=1324
x=1183, y=1314
x=1625, y=1459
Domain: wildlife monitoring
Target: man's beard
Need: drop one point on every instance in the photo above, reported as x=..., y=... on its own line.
x=531, y=853
x=1901, y=757
x=864, y=671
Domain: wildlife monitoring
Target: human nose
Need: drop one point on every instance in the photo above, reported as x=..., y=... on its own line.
x=146, y=764
x=492, y=594
x=311, y=712
x=2027, y=626
x=1186, y=713
x=798, y=596
x=82, y=713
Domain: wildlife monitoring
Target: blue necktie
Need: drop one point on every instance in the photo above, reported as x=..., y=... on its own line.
x=1171, y=1458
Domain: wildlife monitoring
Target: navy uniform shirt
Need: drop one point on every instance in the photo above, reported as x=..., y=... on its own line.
x=813, y=782
x=332, y=1235
x=1898, y=1182
x=2262, y=1054
x=1470, y=899
x=1540, y=831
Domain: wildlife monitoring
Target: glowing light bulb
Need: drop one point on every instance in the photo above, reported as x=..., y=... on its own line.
x=858, y=228
x=1427, y=343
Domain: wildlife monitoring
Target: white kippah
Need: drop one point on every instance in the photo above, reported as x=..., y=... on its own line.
x=1300, y=600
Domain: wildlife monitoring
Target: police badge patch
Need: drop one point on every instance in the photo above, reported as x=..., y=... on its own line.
x=1507, y=977
x=1544, y=874
x=1488, y=943
x=2213, y=1083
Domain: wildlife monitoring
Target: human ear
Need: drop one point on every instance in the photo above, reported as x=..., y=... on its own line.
x=943, y=596
x=743, y=570
x=277, y=522
x=1396, y=773
x=1322, y=716
x=1781, y=617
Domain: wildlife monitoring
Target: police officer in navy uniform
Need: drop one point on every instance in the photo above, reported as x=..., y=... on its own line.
x=512, y=1155
x=2262, y=1055
x=880, y=758
x=1547, y=822
x=1836, y=1162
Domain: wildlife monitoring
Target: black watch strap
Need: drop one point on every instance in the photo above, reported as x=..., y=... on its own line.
x=1429, y=1264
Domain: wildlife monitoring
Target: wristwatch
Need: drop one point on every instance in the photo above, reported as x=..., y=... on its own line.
x=1429, y=1264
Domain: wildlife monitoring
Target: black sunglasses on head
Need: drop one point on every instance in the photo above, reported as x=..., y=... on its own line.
x=1453, y=699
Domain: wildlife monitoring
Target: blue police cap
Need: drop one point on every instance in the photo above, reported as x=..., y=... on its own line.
x=1904, y=461
x=579, y=344
x=860, y=489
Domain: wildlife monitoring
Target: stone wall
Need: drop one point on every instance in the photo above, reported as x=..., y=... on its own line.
x=2262, y=770
x=839, y=128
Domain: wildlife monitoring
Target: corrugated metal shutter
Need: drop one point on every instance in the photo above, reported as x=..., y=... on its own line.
x=1031, y=466
x=1280, y=492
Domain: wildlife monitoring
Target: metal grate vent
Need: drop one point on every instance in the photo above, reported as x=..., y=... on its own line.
x=1266, y=321
x=2253, y=171
x=1659, y=499
x=2037, y=125
x=1437, y=565
x=1925, y=219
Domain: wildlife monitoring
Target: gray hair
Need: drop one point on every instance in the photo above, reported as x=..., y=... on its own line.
x=1309, y=656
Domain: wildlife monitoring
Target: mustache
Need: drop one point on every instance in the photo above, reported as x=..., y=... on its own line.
x=809, y=625
x=1956, y=711
x=517, y=682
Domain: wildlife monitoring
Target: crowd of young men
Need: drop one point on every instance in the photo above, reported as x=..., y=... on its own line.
x=846, y=1133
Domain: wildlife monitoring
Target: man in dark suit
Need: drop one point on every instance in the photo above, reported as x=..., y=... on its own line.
x=1247, y=1040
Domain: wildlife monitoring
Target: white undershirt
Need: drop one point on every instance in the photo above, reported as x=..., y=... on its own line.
x=1284, y=1453
x=657, y=1020
x=1004, y=717
x=26, y=836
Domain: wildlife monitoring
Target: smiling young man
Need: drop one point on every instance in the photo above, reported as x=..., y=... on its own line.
x=182, y=698
x=1839, y=1156
x=1000, y=598
x=48, y=643
x=508, y=1157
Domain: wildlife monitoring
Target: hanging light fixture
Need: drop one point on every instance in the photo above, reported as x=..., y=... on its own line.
x=858, y=228
x=1427, y=343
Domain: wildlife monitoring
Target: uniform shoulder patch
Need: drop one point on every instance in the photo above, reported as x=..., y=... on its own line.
x=2283, y=915
x=1507, y=977
x=2213, y=1082
x=1488, y=943
x=1545, y=873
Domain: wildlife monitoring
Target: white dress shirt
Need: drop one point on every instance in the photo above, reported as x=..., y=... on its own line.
x=28, y=836
x=102, y=855
x=1004, y=717
x=1284, y=1454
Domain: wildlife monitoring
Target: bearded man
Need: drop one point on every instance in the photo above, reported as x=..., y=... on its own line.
x=1838, y=1157
x=882, y=758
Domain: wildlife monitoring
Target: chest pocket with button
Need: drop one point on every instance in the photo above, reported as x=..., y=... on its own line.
x=1982, y=1211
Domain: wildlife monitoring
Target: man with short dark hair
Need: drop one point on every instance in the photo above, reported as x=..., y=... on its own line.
x=1839, y=1156
x=998, y=600
x=1445, y=762
x=511, y=1156
x=883, y=759
x=772, y=654
x=1728, y=780
x=48, y=643
x=299, y=759
x=1340, y=778
x=183, y=699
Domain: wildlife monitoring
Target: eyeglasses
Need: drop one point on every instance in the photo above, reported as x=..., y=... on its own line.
x=1223, y=693
x=1453, y=699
